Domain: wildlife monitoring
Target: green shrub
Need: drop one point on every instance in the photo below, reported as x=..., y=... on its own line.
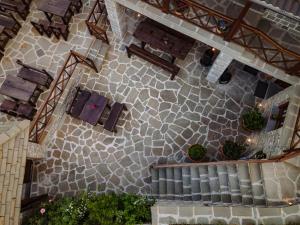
x=233, y=150
x=253, y=120
x=196, y=152
x=86, y=209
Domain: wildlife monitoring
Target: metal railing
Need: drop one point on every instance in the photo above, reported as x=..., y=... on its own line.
x=97, y=21
x=251, y=38
x=43, y=116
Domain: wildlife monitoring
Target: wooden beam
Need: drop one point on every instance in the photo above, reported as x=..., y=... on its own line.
x=235, y=26
x=166, y=6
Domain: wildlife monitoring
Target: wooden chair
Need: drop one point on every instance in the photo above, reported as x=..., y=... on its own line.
x=12, y=26
x=19, y=7
x=4, y=38
x=78, y=102
x=41, y=77
x=1, y=55
x=26, y=111
x=154, y=59
x=43, y=27
x=115, y=113
x=9, y=107
x=60, y=29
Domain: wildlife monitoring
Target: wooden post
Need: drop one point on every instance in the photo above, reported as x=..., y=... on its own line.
x=166, y=6
x=235, y=26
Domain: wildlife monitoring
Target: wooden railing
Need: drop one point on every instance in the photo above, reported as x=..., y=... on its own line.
x=97, y=21
x=57, y=88
x=247, y=36
x=295, y=143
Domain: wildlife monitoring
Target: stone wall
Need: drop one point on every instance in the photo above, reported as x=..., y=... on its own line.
x=13, y=150
x=284, y=22
x=273, y=142
x=233, y=50
x=165, y=213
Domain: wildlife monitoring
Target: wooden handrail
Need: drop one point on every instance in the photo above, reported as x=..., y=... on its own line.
x=281, y=58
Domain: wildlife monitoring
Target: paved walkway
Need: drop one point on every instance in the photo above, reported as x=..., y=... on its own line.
x=164, y=117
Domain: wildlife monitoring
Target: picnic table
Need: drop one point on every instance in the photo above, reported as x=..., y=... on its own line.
x=93, y=108
x=164, y=38
x=18, y=88
x=58, y=8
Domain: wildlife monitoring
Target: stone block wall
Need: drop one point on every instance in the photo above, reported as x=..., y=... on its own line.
x=13, y=150
x=273, y=142
x=292, y=25
x=165, y=213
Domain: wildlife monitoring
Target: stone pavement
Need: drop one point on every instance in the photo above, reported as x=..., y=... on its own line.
x=164, y=117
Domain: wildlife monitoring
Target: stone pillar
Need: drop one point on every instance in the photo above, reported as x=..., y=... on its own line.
x=220, y=64
x=117, y=18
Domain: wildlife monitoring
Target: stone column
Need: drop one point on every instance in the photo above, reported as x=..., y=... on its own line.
x=220, y=64
x=117, y=18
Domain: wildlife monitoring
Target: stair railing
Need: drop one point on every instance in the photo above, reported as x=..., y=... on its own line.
x=97, y=21
x=43, y=116
x=251, y=38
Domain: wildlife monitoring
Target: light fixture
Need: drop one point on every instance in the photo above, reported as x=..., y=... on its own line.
x=290, y=203
x=139, y=15
x=213, y=49
x=249, y=140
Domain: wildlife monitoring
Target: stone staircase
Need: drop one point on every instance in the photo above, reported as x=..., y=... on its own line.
x=227, y=184
x=97, y=52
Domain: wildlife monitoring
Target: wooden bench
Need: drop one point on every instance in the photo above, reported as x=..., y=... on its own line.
x=76, y=5
x=10, y=23
x=22, y=110
x=78, y=102
x=19, y=7
x=43, y=27
x=111, y=122
x=154, y=59
x=37, y=76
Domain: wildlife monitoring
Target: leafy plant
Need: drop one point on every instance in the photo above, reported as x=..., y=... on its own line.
x=253, y=120
x=196, y=152
x=233, y=150
x=87, y=209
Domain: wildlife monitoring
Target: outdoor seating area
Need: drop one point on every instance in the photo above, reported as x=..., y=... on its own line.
x=89, y=107
x=58, y=14
x=24, y=90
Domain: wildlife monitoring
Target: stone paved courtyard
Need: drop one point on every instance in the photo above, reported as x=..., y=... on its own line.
x=163, y=119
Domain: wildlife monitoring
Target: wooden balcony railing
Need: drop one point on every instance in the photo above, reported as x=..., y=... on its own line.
x=247, y=36
x=56, y=90
x=97, y=21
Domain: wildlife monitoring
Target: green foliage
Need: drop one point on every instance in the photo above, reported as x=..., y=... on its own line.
x=253, y=120
x=196, y=152
x=86, y=209
x=233, y=150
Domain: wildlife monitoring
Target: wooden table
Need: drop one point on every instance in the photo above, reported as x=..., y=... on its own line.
x=164, y=38
x=94, y=108
x=18, y=89
x=58, y=8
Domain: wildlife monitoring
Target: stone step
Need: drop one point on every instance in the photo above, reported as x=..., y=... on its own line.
x=186, y=183
x=154, y=182
x=204, y=184
x=257, y=184
x=224, y=183
x=234, y=185
x=162, y=178
x=170, y=184
x=178, y=183
x=195, y=182
x=214, y=184
x=245, y=184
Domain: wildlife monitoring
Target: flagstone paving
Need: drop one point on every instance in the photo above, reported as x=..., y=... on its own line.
x=164, y=117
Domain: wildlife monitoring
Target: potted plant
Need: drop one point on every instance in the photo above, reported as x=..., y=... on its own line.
x=196, y=152
x=253, y=120
x=232, y=150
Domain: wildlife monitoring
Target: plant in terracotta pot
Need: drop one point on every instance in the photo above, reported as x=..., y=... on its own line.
x=196, y=152
x=232, y=150
x=253, y=120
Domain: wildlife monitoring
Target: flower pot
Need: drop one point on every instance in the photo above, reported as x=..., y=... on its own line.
x=193, y=160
